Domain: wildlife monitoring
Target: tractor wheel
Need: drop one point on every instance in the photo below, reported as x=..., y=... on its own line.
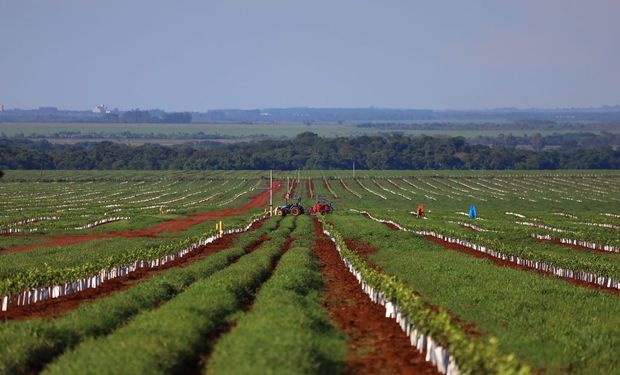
x=295, y=211
x=280, y=212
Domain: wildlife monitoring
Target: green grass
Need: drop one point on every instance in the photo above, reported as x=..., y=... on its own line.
x=545, y=321
x=549, y=323
x=169, y=338
x=98, y=250
x=238, y=130
x=28, y=344
x=286, y=330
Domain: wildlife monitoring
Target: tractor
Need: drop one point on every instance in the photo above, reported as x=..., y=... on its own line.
x=294, y=209
x=321, y=206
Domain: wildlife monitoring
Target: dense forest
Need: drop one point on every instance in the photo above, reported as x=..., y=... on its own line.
x=306, y=151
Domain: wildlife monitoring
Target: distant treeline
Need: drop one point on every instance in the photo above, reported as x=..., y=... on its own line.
x=564, y=141
x=306, y=151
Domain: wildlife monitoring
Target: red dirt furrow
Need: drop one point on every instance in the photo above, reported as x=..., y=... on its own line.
x=575, y=247
x=365, y=250
x=505, y=263
x=310, y=188
x=177, y=225
x=376, y=344
x=53, y=308
x=393, y=184
x=345, y=187
x=328, y=188
x=376, y=184
x=291, y=192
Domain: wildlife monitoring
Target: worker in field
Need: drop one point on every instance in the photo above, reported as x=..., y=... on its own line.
x=420, y=210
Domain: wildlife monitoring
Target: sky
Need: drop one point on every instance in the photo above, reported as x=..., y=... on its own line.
x=196, y=55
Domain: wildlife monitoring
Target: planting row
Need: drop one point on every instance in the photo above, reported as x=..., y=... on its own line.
x=171, y=338
x=42, y=284
x=286, y=327
x=549, y=324
x=589, y=272
x=446, y=345
x=28, y=345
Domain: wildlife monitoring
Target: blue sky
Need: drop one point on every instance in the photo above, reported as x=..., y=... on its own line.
x=199, y=55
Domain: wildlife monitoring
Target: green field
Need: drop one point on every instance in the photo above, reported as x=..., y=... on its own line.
x=151, y=132
x=259, y=309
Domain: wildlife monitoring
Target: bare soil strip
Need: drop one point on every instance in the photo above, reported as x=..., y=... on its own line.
x=55, y=307
x=376, y=344
x=178, y=225
x=291, y=192
x=365, y=250
x=310, y=188
x=575, y=247
x=505, y=263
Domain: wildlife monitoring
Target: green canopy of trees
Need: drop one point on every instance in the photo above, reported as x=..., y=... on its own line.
x=306, y=151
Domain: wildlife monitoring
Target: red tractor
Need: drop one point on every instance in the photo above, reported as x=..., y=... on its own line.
x=321, y=206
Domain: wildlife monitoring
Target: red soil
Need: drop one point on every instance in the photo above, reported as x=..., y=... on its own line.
x=575, y=247
x=345, y=186
x=365, y=250
x=177, y=225
x=376, y=184
x=310, y=188
x=56, y=307
x=393, y=184
x=328, y=188
x=376, y=344
x=505, y=263
x=291, y=191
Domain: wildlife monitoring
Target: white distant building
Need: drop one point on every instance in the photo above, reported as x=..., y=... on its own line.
x=101, y=108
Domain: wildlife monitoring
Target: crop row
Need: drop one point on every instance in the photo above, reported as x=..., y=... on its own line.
x=30, y=344
x=170, y=339
x=446, y=345
x=568, y=269
x=70, y=209
x=588, y=244
x=42, y=284
x=286, y=327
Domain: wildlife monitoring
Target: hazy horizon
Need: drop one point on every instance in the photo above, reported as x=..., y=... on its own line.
x=196, y=56
x=129, y=108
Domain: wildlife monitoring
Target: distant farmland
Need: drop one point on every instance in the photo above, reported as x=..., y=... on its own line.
x=154, y=133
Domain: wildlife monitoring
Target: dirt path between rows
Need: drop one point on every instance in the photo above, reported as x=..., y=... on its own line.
x=56, y=307
x=328, y=187
x=310, y=188
x=177, y=225
x=365, y=250
x=376, y=344
x=504, y=263
x=291, y=191
x=574, y=247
